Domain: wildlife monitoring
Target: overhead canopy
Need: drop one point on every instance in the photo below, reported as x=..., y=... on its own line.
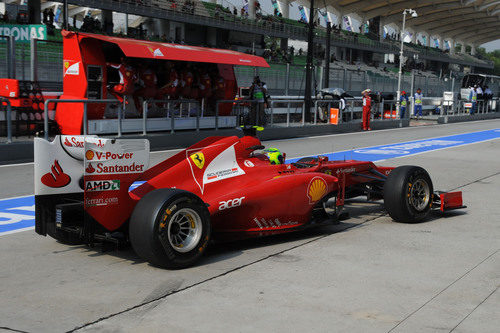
x=166, y=51
x=474, y=21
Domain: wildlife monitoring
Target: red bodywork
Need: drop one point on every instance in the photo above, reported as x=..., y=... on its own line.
x=12, y=90
x=255, y=197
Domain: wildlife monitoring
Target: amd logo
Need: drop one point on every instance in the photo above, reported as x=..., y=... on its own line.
x=230, y=203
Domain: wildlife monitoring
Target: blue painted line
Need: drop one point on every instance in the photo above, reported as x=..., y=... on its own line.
x=384, y=152
x=17, y=214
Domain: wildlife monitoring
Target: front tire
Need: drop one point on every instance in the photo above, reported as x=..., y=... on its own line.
x=408, y=194
x=170, y=228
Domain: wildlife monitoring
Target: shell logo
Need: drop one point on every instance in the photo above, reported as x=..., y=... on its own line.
x=66, y=64
x=317, y=189
x=89, y=154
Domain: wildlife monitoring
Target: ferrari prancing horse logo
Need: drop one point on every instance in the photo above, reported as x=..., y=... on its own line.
x=198, y=159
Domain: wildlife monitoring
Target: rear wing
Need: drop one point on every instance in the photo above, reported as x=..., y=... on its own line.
x=94, y=171
x=59, y=164
x=110, y=168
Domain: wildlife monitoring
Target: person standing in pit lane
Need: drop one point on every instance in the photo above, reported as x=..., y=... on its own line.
x=418, y=103
x=473, y=99
x=403, y=102
x=367, y=108
x=258, y=92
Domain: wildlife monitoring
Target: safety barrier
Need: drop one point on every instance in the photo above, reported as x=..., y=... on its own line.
x=279, y=111
x=293, y=111
x=8, y=117
x=200, y=112
x=455, y=107
x=480, y=107
x=172, y=109
x=297, y=105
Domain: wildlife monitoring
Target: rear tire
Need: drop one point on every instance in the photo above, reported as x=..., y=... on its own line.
x=408, y=194
x=170, y=228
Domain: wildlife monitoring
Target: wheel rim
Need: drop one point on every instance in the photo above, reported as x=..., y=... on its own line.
x=330, y=207
x=419, y=195
x=184, y=230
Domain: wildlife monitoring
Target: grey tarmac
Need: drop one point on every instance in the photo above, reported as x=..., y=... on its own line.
x=366, y=274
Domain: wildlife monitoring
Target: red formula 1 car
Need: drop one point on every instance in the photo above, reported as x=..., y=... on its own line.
x=89, y=189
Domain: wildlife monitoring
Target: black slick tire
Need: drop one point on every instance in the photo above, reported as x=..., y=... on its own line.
x=400, y=193
x=150, y=220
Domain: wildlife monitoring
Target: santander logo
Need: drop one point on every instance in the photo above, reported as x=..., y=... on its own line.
x=57, y=177
x=74, y=142
x=79, y=142
x=90, y=169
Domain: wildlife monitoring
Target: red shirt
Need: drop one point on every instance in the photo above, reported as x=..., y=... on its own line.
x=187, y=79
x=220, y=87
x=367, y=102
x=205, y=82
x=148, y=77
x=127, y=74
x=173, y=78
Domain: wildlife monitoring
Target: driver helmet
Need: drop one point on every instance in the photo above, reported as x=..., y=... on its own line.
x=275, y=156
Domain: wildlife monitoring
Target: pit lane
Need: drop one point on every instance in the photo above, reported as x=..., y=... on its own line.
x=376, y=276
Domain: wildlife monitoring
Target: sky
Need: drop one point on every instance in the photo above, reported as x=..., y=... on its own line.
x=492, y=46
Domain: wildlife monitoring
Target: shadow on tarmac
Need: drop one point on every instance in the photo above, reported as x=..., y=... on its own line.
x=359, y=210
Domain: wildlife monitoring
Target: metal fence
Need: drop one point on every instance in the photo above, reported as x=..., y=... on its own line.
x=43, y=61
x=39, y=60
x=289, y=80
x=49, y=60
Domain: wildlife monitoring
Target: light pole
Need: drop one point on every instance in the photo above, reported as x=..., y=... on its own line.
x=413, y=14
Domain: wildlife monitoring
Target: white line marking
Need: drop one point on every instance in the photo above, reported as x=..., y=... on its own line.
x=21, y=196
x=390, y=129
x=396, y=143
x=430, y=151
x=15, y=231
x=14, y=165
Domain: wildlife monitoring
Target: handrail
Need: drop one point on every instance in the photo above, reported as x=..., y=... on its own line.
x=145, y=108
x=8, y=117
x=85, y=102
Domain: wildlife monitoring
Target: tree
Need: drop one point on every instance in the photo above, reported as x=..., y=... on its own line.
x=493, y=56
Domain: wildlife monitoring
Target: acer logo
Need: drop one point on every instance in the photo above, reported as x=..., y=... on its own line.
x=56, y=177
x=230, y=203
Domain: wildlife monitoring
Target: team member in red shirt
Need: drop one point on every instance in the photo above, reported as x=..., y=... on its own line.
x=187, y=79
x=148, y=80
x=127, y=79
x=220, y=87
x=205, y=86
x=367, y=106
x=171, y=89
